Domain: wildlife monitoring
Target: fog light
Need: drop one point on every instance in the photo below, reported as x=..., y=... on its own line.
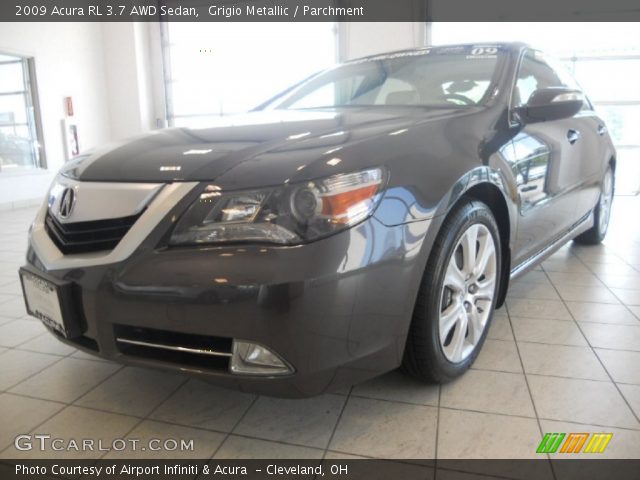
x=251, y=359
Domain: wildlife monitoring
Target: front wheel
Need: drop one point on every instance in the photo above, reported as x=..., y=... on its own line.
x=601, y=214
x=457, y=296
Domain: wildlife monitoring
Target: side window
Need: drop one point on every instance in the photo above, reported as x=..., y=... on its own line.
x=536, y=72
x=568, y=80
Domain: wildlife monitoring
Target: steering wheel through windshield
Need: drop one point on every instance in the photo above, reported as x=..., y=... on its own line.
x=461, y=99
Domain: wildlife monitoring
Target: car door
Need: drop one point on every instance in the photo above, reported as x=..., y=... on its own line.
x=590, y=148
x=594, y=156
x=546, y=156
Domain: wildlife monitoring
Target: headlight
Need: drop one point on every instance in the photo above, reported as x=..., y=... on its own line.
x=286, y=215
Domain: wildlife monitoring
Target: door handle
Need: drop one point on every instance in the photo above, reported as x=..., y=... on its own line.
x=602, y=130
x=573, y=136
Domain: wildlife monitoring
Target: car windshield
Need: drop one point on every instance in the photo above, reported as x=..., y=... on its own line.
x=437, y=77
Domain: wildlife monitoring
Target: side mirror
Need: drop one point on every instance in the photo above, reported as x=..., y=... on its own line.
x=552, y=103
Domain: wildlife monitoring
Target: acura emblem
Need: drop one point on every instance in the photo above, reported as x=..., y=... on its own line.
x=67, y=201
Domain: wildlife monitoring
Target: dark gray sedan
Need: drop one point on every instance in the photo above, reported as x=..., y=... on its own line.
x=369, y=217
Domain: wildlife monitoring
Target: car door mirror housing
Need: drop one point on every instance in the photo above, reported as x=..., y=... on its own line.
x=553, y=103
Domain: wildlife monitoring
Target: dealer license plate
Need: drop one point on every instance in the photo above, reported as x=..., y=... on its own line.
x=43, y=300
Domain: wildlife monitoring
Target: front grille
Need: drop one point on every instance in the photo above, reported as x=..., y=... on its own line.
x=93, y=236
x=201, y=351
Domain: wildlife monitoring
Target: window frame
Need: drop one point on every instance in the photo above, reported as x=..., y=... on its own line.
x=32, y=100
x=514, y=79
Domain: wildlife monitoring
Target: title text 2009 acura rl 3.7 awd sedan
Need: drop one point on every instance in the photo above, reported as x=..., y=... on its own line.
x=369, y=217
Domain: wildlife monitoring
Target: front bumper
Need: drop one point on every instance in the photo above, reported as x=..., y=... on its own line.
x=337, y=310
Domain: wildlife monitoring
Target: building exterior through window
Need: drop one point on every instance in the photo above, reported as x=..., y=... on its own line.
x=20, y=133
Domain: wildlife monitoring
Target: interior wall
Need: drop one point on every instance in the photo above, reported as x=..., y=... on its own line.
x=69, y=61
x=108, y=70
x=128, y=76
x=359, y=39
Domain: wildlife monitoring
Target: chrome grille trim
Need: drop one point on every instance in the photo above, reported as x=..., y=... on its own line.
x=53, y=259
x=100, y=200
x=175, y=348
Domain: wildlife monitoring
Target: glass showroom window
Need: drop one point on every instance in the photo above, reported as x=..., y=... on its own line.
x=214, y=69
x=604, y=58
x=20, y=145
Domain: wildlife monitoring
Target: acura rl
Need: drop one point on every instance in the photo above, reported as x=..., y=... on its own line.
x=369, y=217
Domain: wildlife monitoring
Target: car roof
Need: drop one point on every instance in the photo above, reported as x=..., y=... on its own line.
x=509, y=46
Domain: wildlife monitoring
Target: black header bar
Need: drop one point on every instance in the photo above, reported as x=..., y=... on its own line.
x=317, y=10
x=409, y=469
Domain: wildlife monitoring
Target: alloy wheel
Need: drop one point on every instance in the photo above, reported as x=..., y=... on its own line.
x=467, y=293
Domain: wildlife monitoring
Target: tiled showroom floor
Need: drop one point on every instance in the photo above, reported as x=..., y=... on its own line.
x=563, y=355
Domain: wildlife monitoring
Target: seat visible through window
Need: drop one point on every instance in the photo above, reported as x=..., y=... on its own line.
x=407, y=97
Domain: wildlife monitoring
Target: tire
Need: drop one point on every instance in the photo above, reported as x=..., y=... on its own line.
x=601, y=213
x=436, y=358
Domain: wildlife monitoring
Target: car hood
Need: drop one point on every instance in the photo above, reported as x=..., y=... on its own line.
x=258, y=148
